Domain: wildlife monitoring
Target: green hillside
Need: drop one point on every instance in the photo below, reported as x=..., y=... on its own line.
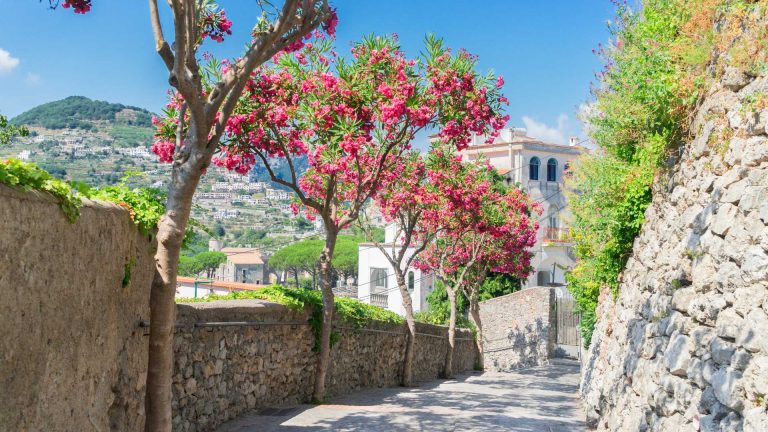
x=79, y=112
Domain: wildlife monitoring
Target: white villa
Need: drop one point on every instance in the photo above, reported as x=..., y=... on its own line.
x=376, y=282
x=537, y=167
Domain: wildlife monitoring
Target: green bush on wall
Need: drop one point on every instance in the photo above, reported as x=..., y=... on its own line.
x=655, y=71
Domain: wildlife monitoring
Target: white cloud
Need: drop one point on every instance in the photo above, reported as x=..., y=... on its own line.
x=32, y=79
x=540, y=130
x=7, y=63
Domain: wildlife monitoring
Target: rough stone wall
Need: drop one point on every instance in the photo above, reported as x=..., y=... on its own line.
x=519, y=329
x=242, y=355
x=684, y=347
x=70, y=358
x=74, y=358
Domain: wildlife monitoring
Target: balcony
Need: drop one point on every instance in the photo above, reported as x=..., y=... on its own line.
x=379, y=300
x=557, y=235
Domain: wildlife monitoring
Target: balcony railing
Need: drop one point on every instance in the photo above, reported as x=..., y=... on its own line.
x=557, y=235
x=379, y=300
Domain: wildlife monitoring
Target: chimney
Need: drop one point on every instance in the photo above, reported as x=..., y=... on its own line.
x=573, y=141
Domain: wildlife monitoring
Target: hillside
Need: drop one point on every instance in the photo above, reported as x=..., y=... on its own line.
x=98, y=143
x=79, y=112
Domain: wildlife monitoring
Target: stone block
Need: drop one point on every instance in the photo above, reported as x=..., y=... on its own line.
x=677, y=357
x=728, y=389
x=722, y=351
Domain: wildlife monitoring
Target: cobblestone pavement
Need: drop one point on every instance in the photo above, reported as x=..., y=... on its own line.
x=528, y=400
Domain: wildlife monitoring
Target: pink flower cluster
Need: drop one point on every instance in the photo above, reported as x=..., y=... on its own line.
x=215, y=25
x=164, y=150
x=79, y=6
x=478, y=225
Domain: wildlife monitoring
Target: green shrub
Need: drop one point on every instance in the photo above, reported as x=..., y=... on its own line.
x=28, y=176
x=145, y=206
x=350, y=311
x=654, y=73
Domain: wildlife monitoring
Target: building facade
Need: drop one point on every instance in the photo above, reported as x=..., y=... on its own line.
x=538, y=168
x=244, y=265
x=377, y=284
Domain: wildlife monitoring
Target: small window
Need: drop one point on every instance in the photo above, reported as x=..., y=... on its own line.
x=534, y=168
x=553, y=223
x=378, y=279
x=411, y=281
x=552, y=170
x=543, y=278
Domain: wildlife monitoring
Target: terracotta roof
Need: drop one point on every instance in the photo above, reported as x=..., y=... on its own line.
x=503, y=171
x=239, y=255
x=232, y=286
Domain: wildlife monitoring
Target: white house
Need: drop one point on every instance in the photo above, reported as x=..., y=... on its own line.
x=537, y=167
x=376, y=283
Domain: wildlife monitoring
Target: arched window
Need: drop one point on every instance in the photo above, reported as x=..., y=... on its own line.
x=411, y=281
x=552, y=169
x=534, y=168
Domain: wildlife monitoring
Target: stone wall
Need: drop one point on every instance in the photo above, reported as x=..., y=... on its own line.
x=684, y=347
x=70, y=359
x=242, y=355
x=519, y=329
x=73, y=356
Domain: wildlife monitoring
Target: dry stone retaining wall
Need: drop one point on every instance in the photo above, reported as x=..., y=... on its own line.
x=73, y=356
x=519, y=329
x=70, y=356
x=684, y=347
x=236, y=356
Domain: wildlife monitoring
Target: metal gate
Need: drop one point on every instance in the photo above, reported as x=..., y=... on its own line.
x=568, y=338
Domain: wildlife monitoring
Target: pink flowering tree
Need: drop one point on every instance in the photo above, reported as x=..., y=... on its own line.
x=424, y=200
x=489, y=228
x=506, y=233
x=353, y=120
x=203, y=102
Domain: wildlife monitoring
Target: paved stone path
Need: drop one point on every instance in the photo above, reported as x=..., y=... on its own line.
x=538, y=399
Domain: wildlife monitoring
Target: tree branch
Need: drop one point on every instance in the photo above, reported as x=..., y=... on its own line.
x=161, y=46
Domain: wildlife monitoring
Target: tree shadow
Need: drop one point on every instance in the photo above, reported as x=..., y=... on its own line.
x=517, y=402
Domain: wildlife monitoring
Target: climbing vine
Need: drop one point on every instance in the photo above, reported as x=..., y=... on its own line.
x=28, y=176
x=145, y=205
x=656, y=68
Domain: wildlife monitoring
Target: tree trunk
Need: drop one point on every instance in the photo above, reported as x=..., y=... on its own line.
x=162, y=305
x=448, y=373
x=411, y=324
x=296, y=276
x=474, y=315
x=326, y=285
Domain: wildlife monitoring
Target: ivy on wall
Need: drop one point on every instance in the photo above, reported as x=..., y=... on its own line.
x=656, y=68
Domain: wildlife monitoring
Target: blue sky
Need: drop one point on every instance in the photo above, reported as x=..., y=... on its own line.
x=542, y=48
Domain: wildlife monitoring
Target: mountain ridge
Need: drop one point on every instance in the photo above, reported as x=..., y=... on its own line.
x=80, y=112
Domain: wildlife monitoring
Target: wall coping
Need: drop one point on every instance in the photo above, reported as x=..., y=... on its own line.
x=516, y=293
x=44, y=197
x=263, y=310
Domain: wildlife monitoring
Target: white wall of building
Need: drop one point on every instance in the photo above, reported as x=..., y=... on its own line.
x=370, y=257
x=511, y=154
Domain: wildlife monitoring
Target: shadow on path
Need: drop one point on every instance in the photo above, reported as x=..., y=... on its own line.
x=537, y=399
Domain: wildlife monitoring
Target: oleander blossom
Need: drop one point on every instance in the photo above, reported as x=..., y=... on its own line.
x=78, y=6
x=355, y=128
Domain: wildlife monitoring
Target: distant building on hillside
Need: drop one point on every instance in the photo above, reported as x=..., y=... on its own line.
x=376, y=278
x=244, y=265
x=538, y=168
